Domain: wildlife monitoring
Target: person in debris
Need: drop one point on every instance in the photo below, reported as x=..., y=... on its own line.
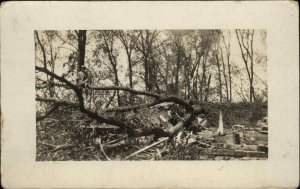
x=84, y=79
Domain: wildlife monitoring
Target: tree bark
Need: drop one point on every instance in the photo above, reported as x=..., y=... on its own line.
x=247, y=53
x=219, y=77
x=108, y=47
x=207, y=89
x=126, y=40
x=81, y=34
x=225, y=78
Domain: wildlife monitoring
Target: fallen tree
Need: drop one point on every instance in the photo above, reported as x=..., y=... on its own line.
x=97, y=114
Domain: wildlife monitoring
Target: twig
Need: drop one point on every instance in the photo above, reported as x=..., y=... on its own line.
x=56, y=148
x=115, y=145
x=158, y=153
x=64, y=146
x=114, y=141
x=46, y=144
x=147, y=147
x=42, y=116
x=99, y=142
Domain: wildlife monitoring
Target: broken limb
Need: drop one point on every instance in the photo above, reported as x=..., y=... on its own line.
x=115, y=141
x=58, y=101
x=41, y=116
x=78, y=90
x=59, y=78
x=233, y=153
x=170, y=132
x=127, y=89
x=98, y=141
x=147, y=147
x=158, y=132
x=115, y=145
x=57, y=147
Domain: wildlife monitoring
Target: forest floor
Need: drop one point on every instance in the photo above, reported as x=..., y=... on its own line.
x=58, y=140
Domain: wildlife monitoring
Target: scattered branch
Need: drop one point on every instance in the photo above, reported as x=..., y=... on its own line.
x=101, y=148
x=147, y=147
x=56, y=147
x=77, y=90
x=115, y=145
x=41, y=116
x=58, y=101
x=59, y=78
x=127, y=89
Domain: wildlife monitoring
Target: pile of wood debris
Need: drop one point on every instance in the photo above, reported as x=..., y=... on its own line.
x=237, y=142
x=208, y=144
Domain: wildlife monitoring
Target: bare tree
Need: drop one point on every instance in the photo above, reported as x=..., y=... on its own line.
x=109, y=49
x=194, y=61
x=245, y=40
x=227, y=51
x=145, y=44
x=81, y=34
x=49, y=54
x=97, y=114
x=127, y=40
x=219, y=74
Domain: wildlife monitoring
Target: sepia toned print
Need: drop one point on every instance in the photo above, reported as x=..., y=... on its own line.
x=50, y=143
x=151, y=95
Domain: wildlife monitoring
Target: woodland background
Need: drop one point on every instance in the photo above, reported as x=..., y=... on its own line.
x=199, y=72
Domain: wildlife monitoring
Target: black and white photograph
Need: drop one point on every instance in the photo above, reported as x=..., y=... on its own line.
x=149, y=94
x=106, y=95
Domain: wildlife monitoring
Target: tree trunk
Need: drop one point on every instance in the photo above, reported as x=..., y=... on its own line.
x=130, y=75
x=177, y=70
x=247, y=53
x=112, y=59
x=117, y=84
x=229, y=77
x=219, y=77
x=159, y=132
x=207, y=88
x=146, y=77
x=225, y=78
x=52, y=63
x=81, y=48
x=126, y=40
x=203, y=79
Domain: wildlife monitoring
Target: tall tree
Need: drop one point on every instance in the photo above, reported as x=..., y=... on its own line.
x=216, y=54
x=127, y=40
x=245, y=40
x=178, y=50
x=224, y=74
x=227, y=51
x=81, y=34
x=49, y=54
x=109, y=49
x=146, y=44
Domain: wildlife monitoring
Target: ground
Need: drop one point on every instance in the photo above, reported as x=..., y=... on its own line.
x=67, y=135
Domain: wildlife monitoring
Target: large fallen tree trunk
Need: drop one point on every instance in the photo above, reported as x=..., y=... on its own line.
x=159, y=132
x=98, y=114
x=233, y=153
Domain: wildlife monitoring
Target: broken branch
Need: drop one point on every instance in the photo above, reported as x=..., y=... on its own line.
x=147, y=147
x=127, y=89
x=41, y=116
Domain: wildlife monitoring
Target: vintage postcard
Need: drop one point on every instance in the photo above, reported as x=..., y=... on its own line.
x=149, y=94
